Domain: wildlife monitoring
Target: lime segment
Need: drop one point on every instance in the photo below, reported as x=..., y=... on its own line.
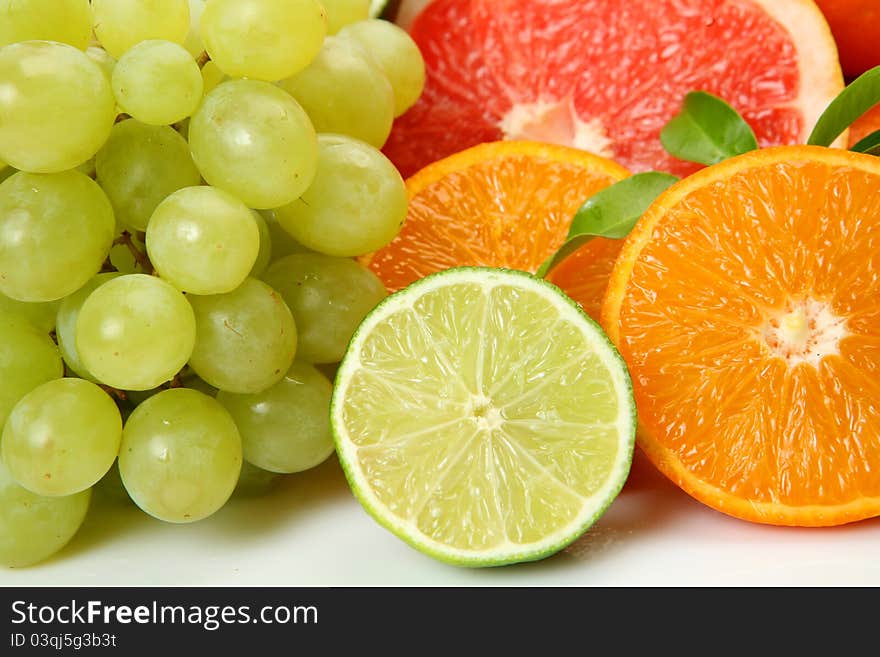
x=482, y=417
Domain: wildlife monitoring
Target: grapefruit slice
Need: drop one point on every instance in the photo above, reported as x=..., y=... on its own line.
x=502, y=204
x=746, y=303
x=606, y=75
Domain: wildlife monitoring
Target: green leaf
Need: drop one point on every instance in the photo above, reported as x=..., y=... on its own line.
x=859, y=96
x=611, y=213
x=869, y=145
x=707, y=130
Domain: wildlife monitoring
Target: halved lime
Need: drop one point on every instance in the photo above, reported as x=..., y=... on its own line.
x=482, y=417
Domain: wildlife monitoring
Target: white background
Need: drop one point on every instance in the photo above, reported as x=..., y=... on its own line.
x=311, y=531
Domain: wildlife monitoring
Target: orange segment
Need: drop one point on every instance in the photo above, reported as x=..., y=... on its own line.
x=501, y=204
x=745, y=303
x=584, y=274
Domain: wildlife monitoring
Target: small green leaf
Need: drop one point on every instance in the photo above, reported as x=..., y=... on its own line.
x=859, y=96
x=869, y=145
x=707, y=130
x=611, y=213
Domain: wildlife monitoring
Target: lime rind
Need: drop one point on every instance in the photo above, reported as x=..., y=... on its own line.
x=593, y=507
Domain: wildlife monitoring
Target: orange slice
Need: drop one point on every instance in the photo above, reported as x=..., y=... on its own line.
x=501, y=204
x=746, y=303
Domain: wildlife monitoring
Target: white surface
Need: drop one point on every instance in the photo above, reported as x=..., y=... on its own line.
x=311, y=531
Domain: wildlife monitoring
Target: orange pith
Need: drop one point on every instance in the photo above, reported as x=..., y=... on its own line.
x=501, y=204
x=746, y=303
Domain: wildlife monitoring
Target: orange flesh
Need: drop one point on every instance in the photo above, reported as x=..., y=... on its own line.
x=584, y=274
x=502, y=204
x=722, y=412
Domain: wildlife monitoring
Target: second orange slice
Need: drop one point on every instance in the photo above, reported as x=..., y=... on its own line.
x=501, y=204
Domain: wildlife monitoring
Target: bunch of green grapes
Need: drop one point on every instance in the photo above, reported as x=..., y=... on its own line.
x=185, y=186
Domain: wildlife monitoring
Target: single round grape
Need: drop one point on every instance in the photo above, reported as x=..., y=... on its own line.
x=181, y=455
x=121, y=24
x=33, y=527
x=329, y=297
x=396, y=54
x=135, y=332
x=355, y=205
x=246, y=338
x=344, y=12
x=263, y=39
x=56, y=108
x=285, y=428
x=68, y=313
x=103, y=59
x=344, y=91
x=255, y=141
x=193, y=42
x=28, y=358
x=41, y=315
x=157, y=82
x=67, y=21
x=55, y=233
x=203, y=240
x=62, y=437
x=139, y=166
x=264, y=257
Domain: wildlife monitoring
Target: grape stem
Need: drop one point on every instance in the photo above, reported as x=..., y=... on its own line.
x=140, y=257
x=203, y=59
x=116, y=393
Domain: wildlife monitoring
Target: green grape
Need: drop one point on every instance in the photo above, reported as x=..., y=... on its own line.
x=285, y=428
x=181, y=455
x=193, y=42
x=263, y=39
x=157, y=82
x=121, y=24
x=103, y=59
x=28, y=358
x=255, y=141
x=32, y=527
x=203, y=240
x=329, y=297
x=195, y=383
x=246, y=338
x=139, y=166
x=211, y=77
x=68, y=313
x=343, y=12
x=67, y=21
x=62, y=437
x=88, y=168
x=397, y=55
x=122, y=258
x=355, y=205
x=254, y=481
x=110, y=489
x=56, y=108
x=282, y=242
x=6, y=173
x=344, y=91
x=135, y=332
x=55, y=233
x=41, y=315
x=265, y=253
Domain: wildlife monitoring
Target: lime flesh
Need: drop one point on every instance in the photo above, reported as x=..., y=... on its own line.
x=482, y=417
